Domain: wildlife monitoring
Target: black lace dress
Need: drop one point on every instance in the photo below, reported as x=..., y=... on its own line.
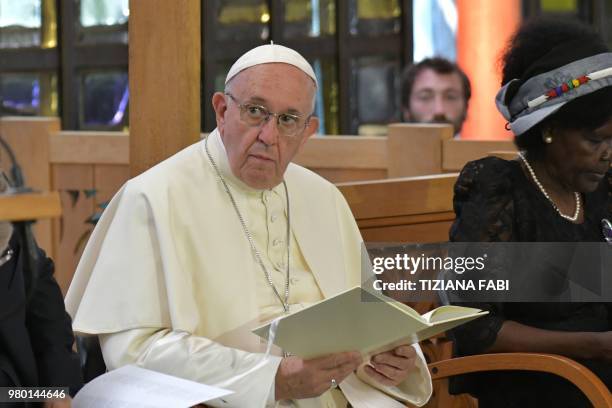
x=495, y=201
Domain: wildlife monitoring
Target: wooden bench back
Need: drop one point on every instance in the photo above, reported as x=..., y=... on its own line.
x=412, y=209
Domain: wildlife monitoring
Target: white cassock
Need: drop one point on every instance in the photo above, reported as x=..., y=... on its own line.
x=169, y=282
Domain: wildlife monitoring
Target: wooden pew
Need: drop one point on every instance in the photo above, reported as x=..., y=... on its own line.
x=443, y=154
x=403, y=210
x=353, y=158
x=413, y=209
x=456, y=153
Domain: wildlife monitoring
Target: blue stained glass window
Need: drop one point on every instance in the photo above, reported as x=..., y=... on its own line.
x=105, y=97
x=20, y=93
x=29, y=93
x=374, y=81
x=326, y=105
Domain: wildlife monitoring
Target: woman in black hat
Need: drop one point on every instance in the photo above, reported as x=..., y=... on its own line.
x=557, y=99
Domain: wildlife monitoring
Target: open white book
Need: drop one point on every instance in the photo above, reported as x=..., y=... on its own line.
x=358, y=320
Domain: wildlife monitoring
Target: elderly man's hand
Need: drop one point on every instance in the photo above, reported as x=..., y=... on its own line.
x=392, y=367
x=297, y=378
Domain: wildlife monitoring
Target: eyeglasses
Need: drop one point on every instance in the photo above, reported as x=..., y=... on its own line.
x=288, y=124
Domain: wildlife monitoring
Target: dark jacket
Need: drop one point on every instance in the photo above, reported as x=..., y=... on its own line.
x=36, y=333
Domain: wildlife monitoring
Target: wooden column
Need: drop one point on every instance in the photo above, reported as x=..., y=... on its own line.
x=164, y=70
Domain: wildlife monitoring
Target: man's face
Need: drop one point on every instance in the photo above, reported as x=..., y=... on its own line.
x=259, y=155
x=437, y=98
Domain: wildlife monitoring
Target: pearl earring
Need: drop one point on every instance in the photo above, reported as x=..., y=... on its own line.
x=547, y=138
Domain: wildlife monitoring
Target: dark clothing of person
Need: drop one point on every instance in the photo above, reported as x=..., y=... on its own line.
x=35, y=332
x=495, y=201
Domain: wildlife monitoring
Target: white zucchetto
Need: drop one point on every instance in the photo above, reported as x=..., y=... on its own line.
x=271, y=53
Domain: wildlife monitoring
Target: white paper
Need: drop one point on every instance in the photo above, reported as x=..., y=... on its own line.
x=136, y=387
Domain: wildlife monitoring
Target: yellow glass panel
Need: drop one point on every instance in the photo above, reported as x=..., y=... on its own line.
x=311, y=18
x=328, y=25
x=330, y=95
x=378, y=9
x=49, y=24
x=49, y=96
x=559, y=6
x=243, y=12
x=298, y=10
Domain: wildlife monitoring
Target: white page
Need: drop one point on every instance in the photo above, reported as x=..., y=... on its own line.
x=132, y=386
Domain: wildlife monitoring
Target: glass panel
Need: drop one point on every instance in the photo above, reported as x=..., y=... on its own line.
x=309, y=18
x=559, y=6
x=104, y=100
x=242, y=19
x=29, y=94
x=20, y=23
x=49, y=24
x=326, y=106
x=607, y=22
x=221, y=72
x=434, y=24
x=103, y=21
x=374, y=17
x=375, y=83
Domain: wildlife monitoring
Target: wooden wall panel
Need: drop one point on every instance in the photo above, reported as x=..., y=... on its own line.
x=90, y=148
x=108, y=180
x=72, y=227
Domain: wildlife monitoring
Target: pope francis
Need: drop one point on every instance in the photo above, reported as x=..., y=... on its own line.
x=226, y=235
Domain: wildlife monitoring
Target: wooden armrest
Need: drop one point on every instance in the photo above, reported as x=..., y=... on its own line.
x=29, y=206
x=592, y=387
